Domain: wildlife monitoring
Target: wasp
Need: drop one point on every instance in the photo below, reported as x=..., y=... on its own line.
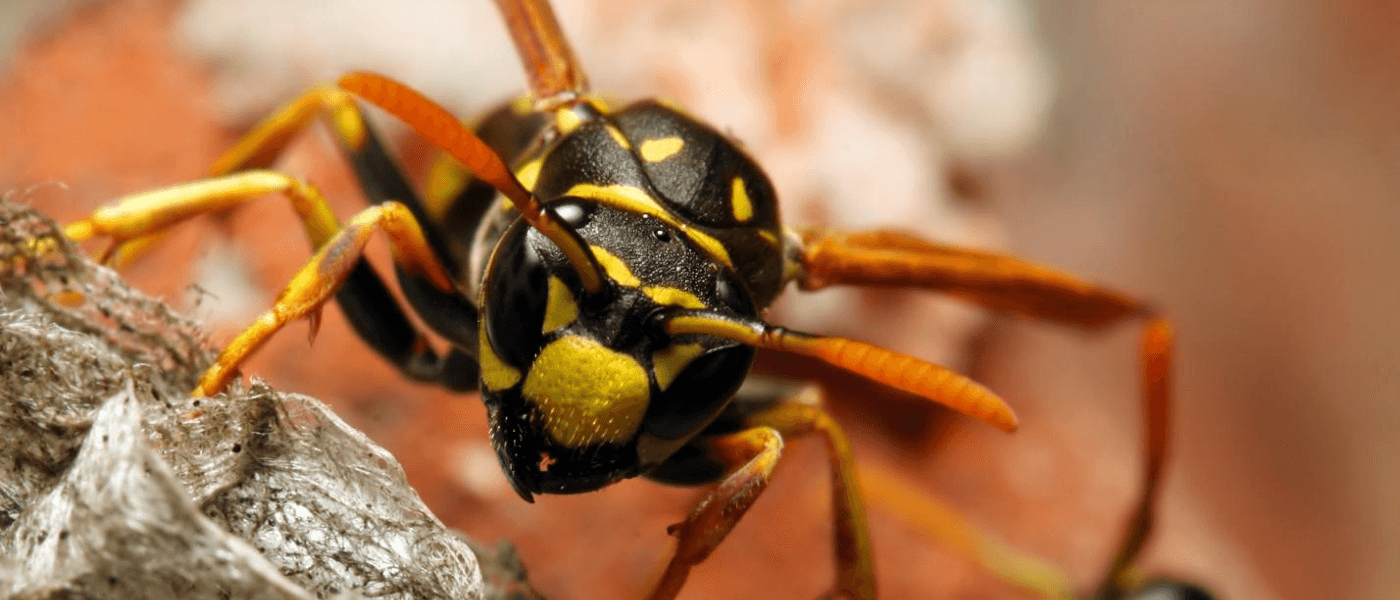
x=601, y=278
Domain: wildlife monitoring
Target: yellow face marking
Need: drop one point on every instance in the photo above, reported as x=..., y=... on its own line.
x=495, y=373
x=632, y=199
x=615, y=268
x=670, y=296
x=769, y=237
x=529, y=173
x=587, y=393
x=561, y=308
x=618, y=137
x=739, y=201
x=566, y=120
x=661, y=149
x=668, y=362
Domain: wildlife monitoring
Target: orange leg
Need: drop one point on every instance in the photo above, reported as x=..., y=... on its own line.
x=891, y=259
x=1156, y=349
x=752, y=454
x=327, y=270
x=755, y=453
x=855, y=567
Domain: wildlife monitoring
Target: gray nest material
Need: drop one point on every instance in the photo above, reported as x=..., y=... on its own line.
x=114, y=483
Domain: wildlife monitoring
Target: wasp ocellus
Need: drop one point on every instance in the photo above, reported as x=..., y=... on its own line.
x=602, y=277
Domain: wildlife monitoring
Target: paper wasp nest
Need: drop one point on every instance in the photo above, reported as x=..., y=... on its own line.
x=115, y=483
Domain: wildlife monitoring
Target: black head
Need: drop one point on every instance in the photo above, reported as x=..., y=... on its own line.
x=586, y=389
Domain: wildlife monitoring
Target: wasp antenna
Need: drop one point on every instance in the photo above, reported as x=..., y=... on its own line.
x=899, y=371
x=443, y=130
x=1156, y=365
x=549, y=62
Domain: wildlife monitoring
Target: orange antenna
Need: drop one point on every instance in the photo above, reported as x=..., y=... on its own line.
x=443, y=130
x=899, y=371
x=549, y=62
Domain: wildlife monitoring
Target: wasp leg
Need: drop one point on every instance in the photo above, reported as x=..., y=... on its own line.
x=754, y=452
x=943, y=524
x=791, y=417
x=326, y=272
x=890, y=259
x=141, y=217
x=366, y=301
x=1156, y=350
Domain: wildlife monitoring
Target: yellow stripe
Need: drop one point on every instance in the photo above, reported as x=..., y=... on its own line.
x=615, y=268
x=566, y=120
x=668, y=362
x=618, y=137
x=495, y=373
x=670, y=296
x=632, y=199
x=661, y=149
x=739, y=201
x=560, y=309
x=529, y=173
x=446, y=180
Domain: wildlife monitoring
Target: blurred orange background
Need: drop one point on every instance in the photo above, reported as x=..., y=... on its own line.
x=1234, y=162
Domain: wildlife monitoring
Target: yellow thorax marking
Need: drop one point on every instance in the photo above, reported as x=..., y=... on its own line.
x=739, y=201
x=566, y=120
x=587, y=393
x=529, y=173
x=446, y=179
x=561, y=309
x=614, y=267
x=668, y=362
x=618, y=137
x=633, y=199
x=495, y=373
x=523, y=105
x=661, y=149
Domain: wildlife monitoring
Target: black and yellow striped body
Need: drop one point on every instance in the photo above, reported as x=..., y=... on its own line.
x=586, y=390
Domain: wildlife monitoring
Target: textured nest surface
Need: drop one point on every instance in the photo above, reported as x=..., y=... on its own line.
x=115, y=483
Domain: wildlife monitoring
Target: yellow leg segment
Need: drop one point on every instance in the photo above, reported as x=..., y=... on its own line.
x=855, y=568
x=941, y=523
x=319, y=279
x=757, y=451
x=137, y=220
x=260, y=147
